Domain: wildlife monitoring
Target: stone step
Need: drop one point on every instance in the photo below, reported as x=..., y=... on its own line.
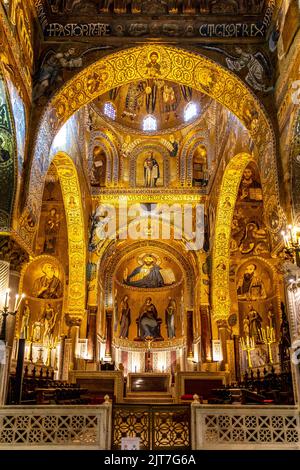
x=148, y=401
x=149, y=397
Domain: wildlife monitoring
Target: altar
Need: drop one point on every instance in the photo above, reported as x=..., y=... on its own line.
x=100, y=383
x=147, y=382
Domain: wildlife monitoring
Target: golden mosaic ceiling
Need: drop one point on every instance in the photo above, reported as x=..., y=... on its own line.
x=172, y=105
x=151, y=7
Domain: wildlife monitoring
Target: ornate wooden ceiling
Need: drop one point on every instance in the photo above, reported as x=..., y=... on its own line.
x=155, y=18
x=156, y=7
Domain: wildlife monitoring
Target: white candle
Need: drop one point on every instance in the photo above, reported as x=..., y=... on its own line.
x=6, y=298
x=16, y=303
x=19, y=302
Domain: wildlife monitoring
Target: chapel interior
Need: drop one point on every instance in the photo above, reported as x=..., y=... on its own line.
x=150, y=219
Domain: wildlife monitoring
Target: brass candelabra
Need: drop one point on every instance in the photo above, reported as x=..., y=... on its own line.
x=5, y=312
x=248, y=345
x=291, y=239
x=268, y=338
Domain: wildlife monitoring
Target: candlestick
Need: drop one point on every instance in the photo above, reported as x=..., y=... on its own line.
x=5, y=312
x=291, y=238
x=248, y=345
x=268, y=337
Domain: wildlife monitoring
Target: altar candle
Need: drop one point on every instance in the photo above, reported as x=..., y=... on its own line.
x=291, y=233
x=16, y=303
x=20, y=300
x=6, y=298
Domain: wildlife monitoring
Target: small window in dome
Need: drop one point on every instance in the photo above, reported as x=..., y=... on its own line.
x=110, y=110
x=149, y=124
x=190, y=111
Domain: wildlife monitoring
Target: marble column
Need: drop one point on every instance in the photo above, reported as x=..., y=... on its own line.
x=11, y=279
x=5, y=352
x=61, y=357
x=73, y=322
x=14, y=281
x=292, y=296
x=19, y=371
x=224, y=335
x=236, y=342
x=92, y=332
x=190, y=334
x=108, y=344
x=206, y=334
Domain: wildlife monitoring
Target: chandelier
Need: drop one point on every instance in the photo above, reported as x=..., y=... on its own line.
x=291, y=239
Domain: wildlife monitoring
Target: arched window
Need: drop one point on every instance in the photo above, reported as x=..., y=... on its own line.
x=149, y=123
x=200, y=173
x=60, y=140
x=190, y=111
x=110, y=110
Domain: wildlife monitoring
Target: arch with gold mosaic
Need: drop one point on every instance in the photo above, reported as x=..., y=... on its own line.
x=71, y=192
x=294, y=165
x=178, y=65
x=8, y=160
x=221, y=301
x=182, y=67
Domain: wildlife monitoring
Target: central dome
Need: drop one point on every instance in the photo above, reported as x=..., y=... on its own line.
x=152, y=105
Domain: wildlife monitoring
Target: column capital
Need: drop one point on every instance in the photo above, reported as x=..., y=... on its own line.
x=92, y=309
x=73, y=320
x=222, y=324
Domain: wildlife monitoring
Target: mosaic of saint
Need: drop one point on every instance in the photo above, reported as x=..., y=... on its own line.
x=248, y=231
x=251, y=285
x=149, y=169
x=148, y=321
x=258, y=309
x=40, y=316
x=48, y=285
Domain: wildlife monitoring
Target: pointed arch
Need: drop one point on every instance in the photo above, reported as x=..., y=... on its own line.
x=150, y=146
x=201, y=137
x=107, y=267
x=8, y=158
x=70, y=188
x=221, y=302
x=178, y=65
x=295, y=169
x=100, y=138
